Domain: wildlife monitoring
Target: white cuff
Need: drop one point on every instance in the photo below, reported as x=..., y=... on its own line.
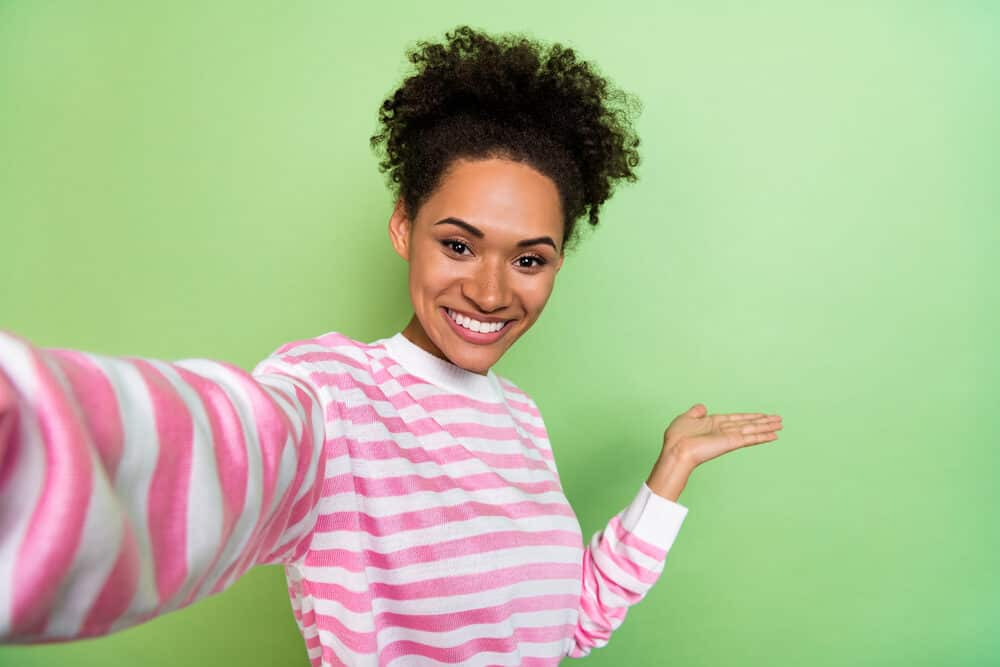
x=653, y=518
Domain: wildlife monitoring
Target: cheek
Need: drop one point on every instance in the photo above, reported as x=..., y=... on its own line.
x=536, y=294
x=430, y=273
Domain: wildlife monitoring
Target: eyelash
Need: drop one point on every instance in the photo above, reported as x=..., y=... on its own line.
x=539, y=261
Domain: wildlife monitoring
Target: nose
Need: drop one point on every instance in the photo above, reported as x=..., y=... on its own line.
x=487, y=287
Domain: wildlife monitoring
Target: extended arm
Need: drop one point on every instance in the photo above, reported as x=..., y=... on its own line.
x=132, y=487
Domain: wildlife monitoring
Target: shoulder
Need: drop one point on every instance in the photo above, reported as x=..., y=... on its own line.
x=517, y=398
x=329, y=353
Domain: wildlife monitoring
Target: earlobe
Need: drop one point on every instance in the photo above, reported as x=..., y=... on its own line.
x=399, y=231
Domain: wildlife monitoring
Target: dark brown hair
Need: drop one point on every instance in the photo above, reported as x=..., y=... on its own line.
x=477, y=96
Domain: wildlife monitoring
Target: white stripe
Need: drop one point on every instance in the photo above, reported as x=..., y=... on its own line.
x=21, y=493
x=376, y=469
x=608, y=569
x=470, y=564
x=346, y=655
x=430, y=442
x=451, y=603
x=479, y=631
x=488, y=658
x=100, y=542
x=630, y=553
x=204, y=493
x=140, y=449
x=352, y=397
x=336, y=539
x=294, y=412
x=236, y=545
x=379, y=506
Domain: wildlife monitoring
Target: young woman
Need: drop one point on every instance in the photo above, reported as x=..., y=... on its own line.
x=409, y=491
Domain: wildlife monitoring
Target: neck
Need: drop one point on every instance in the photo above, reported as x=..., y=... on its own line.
x=415, y=333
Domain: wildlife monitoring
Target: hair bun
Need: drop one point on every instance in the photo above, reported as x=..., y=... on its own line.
x=476, y=95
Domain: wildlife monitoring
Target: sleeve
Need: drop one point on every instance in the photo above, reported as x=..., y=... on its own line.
x=621, y=564
x=132, y=487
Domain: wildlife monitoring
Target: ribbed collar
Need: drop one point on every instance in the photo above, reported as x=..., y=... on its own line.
x=445, y=374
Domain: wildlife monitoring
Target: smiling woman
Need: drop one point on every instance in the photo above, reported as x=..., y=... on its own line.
x=409, y=491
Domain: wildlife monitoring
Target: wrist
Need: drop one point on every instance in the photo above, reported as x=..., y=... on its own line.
x=669, y=476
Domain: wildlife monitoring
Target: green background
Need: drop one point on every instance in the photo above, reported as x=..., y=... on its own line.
x=814, y=234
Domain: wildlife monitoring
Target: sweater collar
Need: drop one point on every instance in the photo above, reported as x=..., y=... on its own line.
x=445, y=374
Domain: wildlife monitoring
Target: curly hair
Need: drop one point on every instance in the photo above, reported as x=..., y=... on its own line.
x=478, y=96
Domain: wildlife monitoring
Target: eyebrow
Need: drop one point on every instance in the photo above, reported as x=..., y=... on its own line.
x=478, y=233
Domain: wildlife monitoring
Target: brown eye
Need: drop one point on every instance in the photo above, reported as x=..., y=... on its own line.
x=530, y=262
x=456, y=247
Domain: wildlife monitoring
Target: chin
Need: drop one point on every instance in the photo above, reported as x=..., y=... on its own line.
x=470, y=360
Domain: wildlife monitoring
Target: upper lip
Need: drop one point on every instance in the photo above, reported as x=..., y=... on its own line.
x=479, y=318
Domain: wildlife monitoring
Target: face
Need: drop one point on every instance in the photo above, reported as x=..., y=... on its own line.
x=483, y=250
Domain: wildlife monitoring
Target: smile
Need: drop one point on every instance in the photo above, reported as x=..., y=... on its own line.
x=475, y=331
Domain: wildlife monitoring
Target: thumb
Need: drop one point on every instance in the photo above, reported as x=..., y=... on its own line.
x=698, y=410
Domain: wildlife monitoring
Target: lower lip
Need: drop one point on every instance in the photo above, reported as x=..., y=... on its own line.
x=477, y=337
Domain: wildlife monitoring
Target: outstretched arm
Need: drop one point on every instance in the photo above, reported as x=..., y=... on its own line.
x=624, y=560
x=132, y=487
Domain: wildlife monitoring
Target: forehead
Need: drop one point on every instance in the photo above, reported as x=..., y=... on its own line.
x=507, y=200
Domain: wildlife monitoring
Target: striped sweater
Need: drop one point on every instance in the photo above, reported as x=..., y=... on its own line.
x=415, y=506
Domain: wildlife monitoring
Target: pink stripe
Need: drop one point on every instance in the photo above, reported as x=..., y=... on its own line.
x=600, y=614
x=456, y=620
x=168, y=490
x=334, y=338
x=445, y=586
x=282, y=518
x=230, y=461
x=323, y=356
x=328, y=340
x=514, y=389
x=119, y=588
x=642, y=574
x=598, y=581
x=376, y=450
x=464, y=651
x=402, y=399
x=329, y=658
x=635, y=542
x=427, y=553
x=272, y=430
x=359, y=642
x=524, y=407
x=98, y=404
x=435, y=516
x=404, y=485
x=365, y=414
x=10, y=442
x=56, y=526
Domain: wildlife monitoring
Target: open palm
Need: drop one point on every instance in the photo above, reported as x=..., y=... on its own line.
x=698, y=436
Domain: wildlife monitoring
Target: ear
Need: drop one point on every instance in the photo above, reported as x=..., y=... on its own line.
x=399, y=230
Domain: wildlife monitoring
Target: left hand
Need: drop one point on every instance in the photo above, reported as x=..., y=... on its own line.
x=696, y=436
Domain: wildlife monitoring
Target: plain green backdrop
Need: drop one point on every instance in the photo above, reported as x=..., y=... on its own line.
x=814, y=233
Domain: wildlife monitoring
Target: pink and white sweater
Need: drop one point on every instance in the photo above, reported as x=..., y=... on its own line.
x=415, y=506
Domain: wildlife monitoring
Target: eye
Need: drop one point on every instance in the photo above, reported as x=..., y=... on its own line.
x=456, y=247
x=530, y=262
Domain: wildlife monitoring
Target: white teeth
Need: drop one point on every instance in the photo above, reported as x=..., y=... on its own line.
x=475, y=325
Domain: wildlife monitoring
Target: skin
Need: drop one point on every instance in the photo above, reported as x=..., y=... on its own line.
x=475, y=246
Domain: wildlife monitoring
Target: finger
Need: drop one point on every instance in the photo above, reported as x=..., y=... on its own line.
x=757, y=439
x=764, y=427
x=740, y=415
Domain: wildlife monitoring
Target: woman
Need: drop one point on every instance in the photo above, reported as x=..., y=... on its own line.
x=409, y=491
